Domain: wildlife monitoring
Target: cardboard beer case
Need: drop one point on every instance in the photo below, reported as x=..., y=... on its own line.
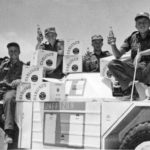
x=23, y=92
x=32, y=74
x=72, y=64
x=45, y=58
x=73, y=47
x=48, y=91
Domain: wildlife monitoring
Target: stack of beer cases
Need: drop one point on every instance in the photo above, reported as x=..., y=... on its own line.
x=46, y=60
x=72, y=60
x=72, y=124
x=33, y=89
x=32, y=79
x=30, y=75
x=52, y=89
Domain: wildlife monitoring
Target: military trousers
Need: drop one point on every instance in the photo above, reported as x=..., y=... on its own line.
x=123, y=71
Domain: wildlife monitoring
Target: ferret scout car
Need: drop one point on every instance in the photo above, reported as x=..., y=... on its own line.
x=87, y=117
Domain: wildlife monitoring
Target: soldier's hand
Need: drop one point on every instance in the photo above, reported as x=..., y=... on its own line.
x=111, y=40
x=137, y=59
x=142, y=64
x=39, y=46
x=39, y=39
x=3, y=83
x=3, y=63
x=15, y=83
x=93, y=66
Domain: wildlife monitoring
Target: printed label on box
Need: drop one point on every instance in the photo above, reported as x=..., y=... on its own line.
x=41, y=91
x=32, y=74
x=23, y=92
x=48, y=91
x=47, y=59
x=73, y=47
x=72, y=64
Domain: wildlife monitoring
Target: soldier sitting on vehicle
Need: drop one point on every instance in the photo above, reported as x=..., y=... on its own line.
x=91, y=61
x=10, y=74
x=124, y=71
x=55, y=45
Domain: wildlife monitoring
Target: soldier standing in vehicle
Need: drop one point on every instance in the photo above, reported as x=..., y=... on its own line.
x=91, y=61
x=124, y=71
x=52, y=44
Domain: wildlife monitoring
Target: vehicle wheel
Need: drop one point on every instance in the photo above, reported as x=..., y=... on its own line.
x=137, y=135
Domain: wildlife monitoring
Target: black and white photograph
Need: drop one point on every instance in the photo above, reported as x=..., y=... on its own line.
x=74, y=75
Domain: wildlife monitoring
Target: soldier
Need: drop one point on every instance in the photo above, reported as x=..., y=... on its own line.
x=52, y=44
x=10, y=75
x=124, y=71
x=91, y=60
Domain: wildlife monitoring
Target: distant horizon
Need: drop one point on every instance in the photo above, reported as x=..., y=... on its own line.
x=78, y=19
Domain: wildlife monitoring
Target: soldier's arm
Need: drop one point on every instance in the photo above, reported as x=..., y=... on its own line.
x=144, y=53
x=116, y=52
x=125, y=47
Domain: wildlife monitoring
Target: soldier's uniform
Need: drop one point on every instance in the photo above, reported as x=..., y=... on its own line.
x=91, y=61
x=124, y=71
x=9, y=72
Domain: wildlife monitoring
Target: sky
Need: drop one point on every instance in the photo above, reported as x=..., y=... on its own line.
x=73, y=19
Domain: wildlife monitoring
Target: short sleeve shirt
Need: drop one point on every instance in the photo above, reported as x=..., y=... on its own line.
x=102, y=55
x=131, y=43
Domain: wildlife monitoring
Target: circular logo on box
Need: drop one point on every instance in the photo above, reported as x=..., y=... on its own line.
x=28, y=95
x=74, y=67
x=75, y=51
x=34, y=78
x=49, y=62
x=42, y=96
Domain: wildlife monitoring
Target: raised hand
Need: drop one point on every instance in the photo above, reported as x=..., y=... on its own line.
x=111, y=40
x=39, y=39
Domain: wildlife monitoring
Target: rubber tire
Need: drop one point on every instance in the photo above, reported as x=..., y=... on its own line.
x=138, y=134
